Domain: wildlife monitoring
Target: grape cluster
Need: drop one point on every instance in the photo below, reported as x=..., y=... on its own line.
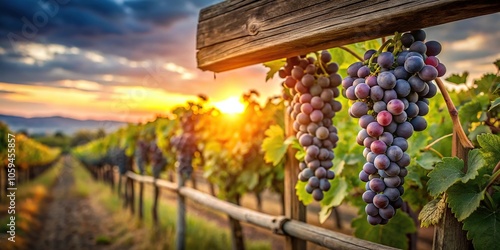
x=391, y=90
x=313, y=84
x=185, y=144
x=158, y=160
x=140, y=155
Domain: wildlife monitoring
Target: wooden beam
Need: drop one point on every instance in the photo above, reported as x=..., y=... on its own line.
x=294, y=209
x=238, y=33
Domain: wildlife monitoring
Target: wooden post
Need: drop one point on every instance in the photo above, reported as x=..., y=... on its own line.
x=141, y=193
x=155, y=203
x=126, y=191
x=448, y=234
x=180, y=232
x=132, y=196
x=294, y=209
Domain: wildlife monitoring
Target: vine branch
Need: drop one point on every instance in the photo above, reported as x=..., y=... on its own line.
x=457, y=127
x=351, y=52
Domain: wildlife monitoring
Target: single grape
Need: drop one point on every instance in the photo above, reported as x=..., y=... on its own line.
x=381, y=162
x=387, y=212
x=404, y=130
x=374, y=129
x=402, y=88
x=394, y=153
x=378, y=147
x=384, y=118
x=374, y=220
x=386, y=80
x=380, y=200
x=385, y=60
x=433, y=48
x=419, y=123
x=414, y=64
x=419, y=47
x=407, y=39
x=428, y=73
x=371, y=209
x=395, y=106
x=369, y=168
x=324, y=185
x=317, y=194
x=368, y=196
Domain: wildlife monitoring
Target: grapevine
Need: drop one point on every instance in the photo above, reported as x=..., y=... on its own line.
x=313, y=84
x=391, y=90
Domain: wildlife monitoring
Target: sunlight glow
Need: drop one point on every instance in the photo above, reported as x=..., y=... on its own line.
x=232, y=105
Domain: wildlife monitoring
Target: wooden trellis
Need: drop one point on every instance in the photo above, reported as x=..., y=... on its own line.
x=238, y=33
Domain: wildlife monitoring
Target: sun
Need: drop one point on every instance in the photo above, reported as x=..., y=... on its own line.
x=231, y=105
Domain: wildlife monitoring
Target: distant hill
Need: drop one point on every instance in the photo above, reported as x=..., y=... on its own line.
x=49, y=125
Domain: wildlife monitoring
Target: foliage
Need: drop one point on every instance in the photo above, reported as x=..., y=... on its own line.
x=28, y=152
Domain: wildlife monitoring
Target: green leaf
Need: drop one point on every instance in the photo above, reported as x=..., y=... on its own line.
x=494, y=103
x=450, y=170
x=483, y=228
x=469, y=111
x=300, y=190
x=458, y=79
x=474, y=162
x=464, y=198
x=497, y=64
x=445, y=174
x=432, y=212
x=274, y=66
x=481, y=129
x=333, y=197
x=490, y=148
x=274, y=145
x=392, y=234
x=427, y=161
x=485, y=84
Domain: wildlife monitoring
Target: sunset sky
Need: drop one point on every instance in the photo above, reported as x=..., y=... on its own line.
x=129, y=60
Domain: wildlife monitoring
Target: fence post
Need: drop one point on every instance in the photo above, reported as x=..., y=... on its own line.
x=155, y=203
x=180, y=234
x=294, y=209
x=132, y=196
x=448, y=234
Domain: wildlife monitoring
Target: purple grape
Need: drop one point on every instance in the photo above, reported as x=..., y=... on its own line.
x=394, y=153
x=317, y=194
x=365, y=120
x=376, y=93
x=374, y=129
x=407, y=39
x=405, y=160
x=381, y=162
x=419, y=35
x=368, y=54
x=352, y=70
x=387, y=213
x=369, y=168
x=414, y=64
x=393, y=181
x=392, y=193
x=324, y=185
x=362, y=91
x=377, y=185
x=402, y=88
x=386, y=80
x=380, y=200
x=385, y=59
x=359, y=109
x=368, y=196
x=395, y=106
x=433, y=48
x=419, y=123
x=419, y=47
x=404, y=130
x=423, y=108
x=374, y=220
x=371, y=209
x=428, y=73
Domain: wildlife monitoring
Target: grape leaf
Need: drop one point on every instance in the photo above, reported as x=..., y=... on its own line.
x=464, y=198
x=481, y=129
x=469, y=111
x=490, y=148
x=274, y=145
x=274, y=66
x=458, y=79
x=432, y=212
x=483, y=228
x=494, y=104
x=393, y=234
x=333, y=197
x=300, y=190
x=474, y=162
x=485, y=84
x=445, y=174
x=427, y=160
x=450, y=170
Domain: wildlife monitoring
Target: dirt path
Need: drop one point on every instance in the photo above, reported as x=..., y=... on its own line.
x=69, y=221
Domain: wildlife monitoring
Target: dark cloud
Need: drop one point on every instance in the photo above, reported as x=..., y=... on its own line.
x=5, y=92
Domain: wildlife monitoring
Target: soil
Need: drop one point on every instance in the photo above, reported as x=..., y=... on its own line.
x=69, y=221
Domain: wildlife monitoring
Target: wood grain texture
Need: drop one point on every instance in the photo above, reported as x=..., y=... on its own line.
x=448, y=234
x=294, y=209
x=238, y=33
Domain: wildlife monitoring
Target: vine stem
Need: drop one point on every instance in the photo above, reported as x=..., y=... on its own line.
x=437, y=140
x=351, y=52
x=457, y=127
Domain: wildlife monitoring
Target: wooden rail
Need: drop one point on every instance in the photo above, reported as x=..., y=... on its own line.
x=238, y=33
x=277, y=224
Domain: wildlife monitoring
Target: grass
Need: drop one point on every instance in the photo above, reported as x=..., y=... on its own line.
x=131, y=233
x=30, y=198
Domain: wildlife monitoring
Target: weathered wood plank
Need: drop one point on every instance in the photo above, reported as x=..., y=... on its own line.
x=238, y=33
x=294, y=209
